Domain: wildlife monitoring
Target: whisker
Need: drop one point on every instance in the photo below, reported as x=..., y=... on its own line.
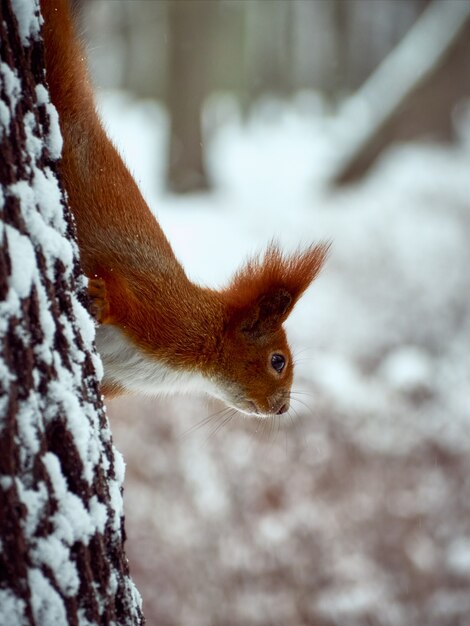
x=296, y=353
x=265, y=429
x=279, y=427
x=272, y=429
x=205, y=421
x=304, y=359
x=289, y=414
x=293, y=425
x=221, y=424
x=304, y=404
x=291, y=419
x=285, y=436
x=261, y=429
x=251, y=427
x=303, y=393
x=298, y=427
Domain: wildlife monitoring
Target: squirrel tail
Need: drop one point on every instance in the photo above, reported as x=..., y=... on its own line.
x=67, y=74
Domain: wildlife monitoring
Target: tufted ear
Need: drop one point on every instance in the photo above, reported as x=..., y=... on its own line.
x=268, y=313
x=265, y=290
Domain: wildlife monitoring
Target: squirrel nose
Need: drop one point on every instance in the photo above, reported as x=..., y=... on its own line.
x=284, y=408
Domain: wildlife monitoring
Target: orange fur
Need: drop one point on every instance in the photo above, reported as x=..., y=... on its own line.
x=225, y=337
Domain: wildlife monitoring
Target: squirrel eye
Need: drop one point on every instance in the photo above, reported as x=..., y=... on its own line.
x=278, y=362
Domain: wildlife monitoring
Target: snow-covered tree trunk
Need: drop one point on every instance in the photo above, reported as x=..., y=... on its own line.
x=61, y=520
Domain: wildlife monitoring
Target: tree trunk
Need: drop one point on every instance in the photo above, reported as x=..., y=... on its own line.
x=408, y=100
x=190, y=26
x=61, y=521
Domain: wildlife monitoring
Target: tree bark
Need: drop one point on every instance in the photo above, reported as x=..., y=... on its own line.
x=62, y=559
x=190, y=28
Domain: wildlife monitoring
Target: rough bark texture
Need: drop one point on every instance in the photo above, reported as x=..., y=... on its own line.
x=61, y=523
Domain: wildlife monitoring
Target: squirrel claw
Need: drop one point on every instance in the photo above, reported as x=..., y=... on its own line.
x=99, y=305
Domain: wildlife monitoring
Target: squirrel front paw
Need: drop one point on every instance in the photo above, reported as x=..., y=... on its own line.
x=99, y=305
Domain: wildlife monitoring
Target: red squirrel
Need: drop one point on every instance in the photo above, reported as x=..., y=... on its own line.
x=158, y=331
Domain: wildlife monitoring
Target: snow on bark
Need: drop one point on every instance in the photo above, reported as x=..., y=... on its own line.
x=61, y=517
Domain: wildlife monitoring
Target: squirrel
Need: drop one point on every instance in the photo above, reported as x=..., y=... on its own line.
x=159, y=332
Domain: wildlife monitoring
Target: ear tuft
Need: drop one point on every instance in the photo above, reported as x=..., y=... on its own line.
x=267, y=314
x=264, y=292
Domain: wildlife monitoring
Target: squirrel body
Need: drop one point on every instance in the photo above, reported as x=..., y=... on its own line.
x=158, y=331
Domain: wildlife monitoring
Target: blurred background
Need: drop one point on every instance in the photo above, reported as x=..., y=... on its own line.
x=306, y=120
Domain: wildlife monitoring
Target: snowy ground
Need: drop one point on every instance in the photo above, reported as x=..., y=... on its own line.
x=358, y=511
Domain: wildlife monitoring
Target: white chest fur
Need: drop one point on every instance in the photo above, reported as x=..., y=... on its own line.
x=136, y=371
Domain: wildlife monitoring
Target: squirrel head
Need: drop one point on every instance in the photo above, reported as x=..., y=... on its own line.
x=255, y=363
x=233, y=340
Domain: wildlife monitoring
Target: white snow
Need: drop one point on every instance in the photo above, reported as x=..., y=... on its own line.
x=47, y=325
x=42, y=94
x=63, y=397
x=33, y=143
x=352, y=601
x=71, y=508
x=5, y=117
x=98, y=513
x=407, y=369
x=48, y=607
x=24, y=268
x=29, y=20
x=48, y=197
x=6, y=482
x=458, y=556
x=28, y=424
x=84, y=322
x=448, y=604
x=119, y=466
x=6, y=377
x=35, y=501
x=54, y=554
x=272, y=530
x=54, y=140
x=209, y=494
x=11, y=84
x=117, y=506
x=13, y=609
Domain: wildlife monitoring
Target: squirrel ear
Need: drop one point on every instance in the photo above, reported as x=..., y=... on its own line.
x=264, y=292
x=268, y=313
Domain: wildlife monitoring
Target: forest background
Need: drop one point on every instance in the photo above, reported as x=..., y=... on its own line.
x=306, y=120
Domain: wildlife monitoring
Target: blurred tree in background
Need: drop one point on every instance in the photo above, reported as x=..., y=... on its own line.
x=182, y=51
x=188, y=64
